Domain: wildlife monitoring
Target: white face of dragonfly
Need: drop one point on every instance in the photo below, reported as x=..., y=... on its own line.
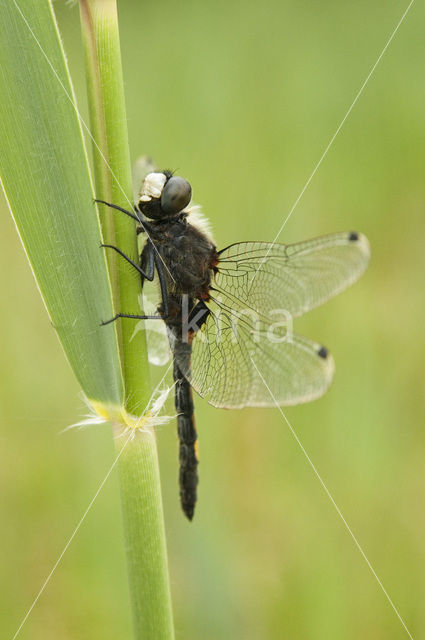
x=168, y=194
x=152, y=186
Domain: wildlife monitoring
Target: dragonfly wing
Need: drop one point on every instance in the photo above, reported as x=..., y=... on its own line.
x=140, y=170
x=159, y=352
x=238, y=363
x=297, y=277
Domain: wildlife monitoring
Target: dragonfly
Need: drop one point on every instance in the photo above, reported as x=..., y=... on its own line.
x=220, y=308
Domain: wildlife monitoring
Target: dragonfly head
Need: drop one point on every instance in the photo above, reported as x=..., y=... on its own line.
x=164, y=195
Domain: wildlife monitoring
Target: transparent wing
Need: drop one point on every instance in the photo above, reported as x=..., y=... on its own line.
x=295, y=277
x=159, y=352
x=140, y=170
x=239, y=361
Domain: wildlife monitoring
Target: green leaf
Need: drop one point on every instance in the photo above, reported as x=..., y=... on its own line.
x=45, y=176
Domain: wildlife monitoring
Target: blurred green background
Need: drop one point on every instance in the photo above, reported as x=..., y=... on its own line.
x=242, y=99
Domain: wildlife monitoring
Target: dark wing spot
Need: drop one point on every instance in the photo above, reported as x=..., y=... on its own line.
x=323, y=353
x=353, y=236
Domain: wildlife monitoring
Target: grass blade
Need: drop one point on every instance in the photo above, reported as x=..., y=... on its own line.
x=45, y=177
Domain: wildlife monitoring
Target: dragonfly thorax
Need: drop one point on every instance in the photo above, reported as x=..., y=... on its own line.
x=188, y=254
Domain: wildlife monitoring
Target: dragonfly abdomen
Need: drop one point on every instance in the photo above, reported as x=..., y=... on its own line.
x=188, y=474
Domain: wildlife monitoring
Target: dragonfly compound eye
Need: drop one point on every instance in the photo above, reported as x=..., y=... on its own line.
x=175, y=195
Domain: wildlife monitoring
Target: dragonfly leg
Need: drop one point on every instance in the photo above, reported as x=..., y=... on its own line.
x=144, y=225
x=131, y=315
x=127, y=213
x=163, y=284
x=149, y=257
x=148, y=276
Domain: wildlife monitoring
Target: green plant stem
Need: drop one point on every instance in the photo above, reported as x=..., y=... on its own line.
x=146, y=546
x=139, y=472
x=113, y=181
